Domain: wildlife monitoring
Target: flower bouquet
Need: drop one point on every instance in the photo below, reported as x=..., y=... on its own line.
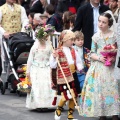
x=109, y=51
x=24, y=86
x=44, y=32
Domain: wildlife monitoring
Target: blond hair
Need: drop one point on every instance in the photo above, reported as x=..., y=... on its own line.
x=79, y=34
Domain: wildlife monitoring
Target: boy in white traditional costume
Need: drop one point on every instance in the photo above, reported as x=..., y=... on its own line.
x=69, y=61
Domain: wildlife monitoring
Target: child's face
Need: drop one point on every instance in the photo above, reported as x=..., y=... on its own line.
x=69, y=43
x=103, y=23
x=79, y=42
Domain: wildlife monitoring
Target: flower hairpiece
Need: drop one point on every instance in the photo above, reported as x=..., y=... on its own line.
x=45, y=31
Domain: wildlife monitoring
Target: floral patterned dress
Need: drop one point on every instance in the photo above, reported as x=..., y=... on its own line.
x=41, y=95
x=100, y=95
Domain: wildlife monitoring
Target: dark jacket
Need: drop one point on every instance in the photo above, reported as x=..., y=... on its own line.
x=56, y=21
x=2, y=2
x=37, y=7
x=63, y=5
x=85, y=22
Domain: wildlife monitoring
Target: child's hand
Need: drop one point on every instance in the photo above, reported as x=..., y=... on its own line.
x=55, y=53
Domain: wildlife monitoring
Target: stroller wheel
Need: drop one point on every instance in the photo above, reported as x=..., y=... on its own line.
x=3, y=87
x=13, y=83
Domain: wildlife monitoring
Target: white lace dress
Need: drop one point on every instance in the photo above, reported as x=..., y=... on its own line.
x=41, y=95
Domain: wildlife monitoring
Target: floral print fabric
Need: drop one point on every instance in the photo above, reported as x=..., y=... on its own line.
x=100, y=94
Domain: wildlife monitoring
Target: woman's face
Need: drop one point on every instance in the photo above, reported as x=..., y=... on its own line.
x=103, y=23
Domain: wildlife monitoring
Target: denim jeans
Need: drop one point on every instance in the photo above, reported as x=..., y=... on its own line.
x=81, y=78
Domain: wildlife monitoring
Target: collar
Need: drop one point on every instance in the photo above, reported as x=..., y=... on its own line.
x=94, y=6
x=10, y=5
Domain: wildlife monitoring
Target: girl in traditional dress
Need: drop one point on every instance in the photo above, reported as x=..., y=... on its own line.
x=100, y=95
x=38, y=71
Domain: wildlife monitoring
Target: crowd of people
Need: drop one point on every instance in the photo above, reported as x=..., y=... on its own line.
x=86, y=65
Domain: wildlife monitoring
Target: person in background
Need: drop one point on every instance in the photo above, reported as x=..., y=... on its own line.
x=66, y=19
x=2, y=2
x=114, y=8
x=72, y=21
x=31, y=17
x=83, y=54
x=87, y=19
x=53, y=18
x=13, y=19
x=69, y=5
x=39, y=6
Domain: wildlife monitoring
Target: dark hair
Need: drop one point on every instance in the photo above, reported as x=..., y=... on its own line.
x=73, y=18
x=32, y=15
x=66, y=20
x=110, y=19
x=50, y=9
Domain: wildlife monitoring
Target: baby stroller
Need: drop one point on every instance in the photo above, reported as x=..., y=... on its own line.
x=16, y=50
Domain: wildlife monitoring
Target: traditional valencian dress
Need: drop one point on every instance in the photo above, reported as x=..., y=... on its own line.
x=41, y=95
x=100, y=93
x=68, y=59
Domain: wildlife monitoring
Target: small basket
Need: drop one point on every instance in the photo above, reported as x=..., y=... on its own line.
x=22, y=89
x=24, y=86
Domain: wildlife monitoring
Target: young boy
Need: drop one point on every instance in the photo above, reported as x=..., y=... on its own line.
x=69, y=61
x=83, y=54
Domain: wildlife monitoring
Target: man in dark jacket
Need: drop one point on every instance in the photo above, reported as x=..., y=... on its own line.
x=87, y=20
x=37, y=7
x=2, y=2
x=69, y=5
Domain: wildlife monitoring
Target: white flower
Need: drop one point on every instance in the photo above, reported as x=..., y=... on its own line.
x=25, y=86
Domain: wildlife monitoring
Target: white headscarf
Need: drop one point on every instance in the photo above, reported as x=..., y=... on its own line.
x=114, y=26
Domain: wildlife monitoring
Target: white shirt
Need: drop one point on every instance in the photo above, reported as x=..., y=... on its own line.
x=24, y=19
x=67, y=52
x=95, y=17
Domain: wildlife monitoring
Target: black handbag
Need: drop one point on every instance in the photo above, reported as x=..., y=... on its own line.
x=118, y=63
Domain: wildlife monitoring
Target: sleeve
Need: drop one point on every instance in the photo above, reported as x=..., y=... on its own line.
x=24, y=18
x=93, y=45
x=30, y=60
x=2, y=31
x=78, y=21
x=79, y=63
x=53, y=62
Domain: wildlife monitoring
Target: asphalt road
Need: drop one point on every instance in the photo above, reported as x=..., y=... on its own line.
x=12, y=107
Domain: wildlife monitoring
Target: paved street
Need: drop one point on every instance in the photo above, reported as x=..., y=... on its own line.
x=12, y=107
